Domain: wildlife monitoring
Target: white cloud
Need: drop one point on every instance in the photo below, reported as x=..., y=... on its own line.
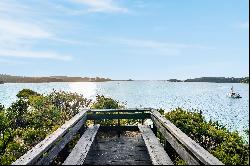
x=20, y=33
x=18, y=38
x=102, y=6
x=22, y=30
x=33, y=54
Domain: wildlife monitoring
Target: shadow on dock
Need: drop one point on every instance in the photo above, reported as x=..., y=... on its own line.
x=110, y=149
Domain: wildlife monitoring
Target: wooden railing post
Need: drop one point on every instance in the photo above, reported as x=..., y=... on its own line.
x=119, y=119
x=188, y=149
x=119, y=131
x=142, y=121
x=54, y=143
x=154, y=129
x=94, y=120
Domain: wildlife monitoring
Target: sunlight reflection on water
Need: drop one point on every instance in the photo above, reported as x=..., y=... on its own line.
x=87, y=89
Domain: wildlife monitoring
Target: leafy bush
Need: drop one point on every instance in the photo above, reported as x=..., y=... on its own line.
x=26, y=93
x=103, y=102
x=227, y=146
x=16, y=113
x=1, y=107
x=32, y=117
x=106, y=103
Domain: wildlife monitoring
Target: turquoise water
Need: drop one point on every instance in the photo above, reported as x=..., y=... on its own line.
x=209, y=97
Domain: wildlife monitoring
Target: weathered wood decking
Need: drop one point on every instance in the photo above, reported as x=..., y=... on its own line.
x=115, y=150
x=157, y=153
x=54, y=143
x=187, y=148
x=140, y=148
x=81, y=149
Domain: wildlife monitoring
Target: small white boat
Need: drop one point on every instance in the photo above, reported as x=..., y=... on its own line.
x=234, y=95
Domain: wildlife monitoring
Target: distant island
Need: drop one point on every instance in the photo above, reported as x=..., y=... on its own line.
x=21, y=79
x=218, y=80
x=214, y=80
x=245, y=80
x=174, y=80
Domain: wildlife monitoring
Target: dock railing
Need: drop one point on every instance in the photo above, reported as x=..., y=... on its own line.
x=47, y=150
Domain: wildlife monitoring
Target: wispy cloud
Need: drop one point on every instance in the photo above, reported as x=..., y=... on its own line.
x=22, y=30
x=19, y=36
x=102, y=6
x=156, y=47
x=34, y=54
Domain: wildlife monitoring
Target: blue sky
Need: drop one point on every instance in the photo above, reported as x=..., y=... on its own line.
x=122, y=39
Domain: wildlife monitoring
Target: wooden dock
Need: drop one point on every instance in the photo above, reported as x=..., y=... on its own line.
x=115, y=150
x=115, y=144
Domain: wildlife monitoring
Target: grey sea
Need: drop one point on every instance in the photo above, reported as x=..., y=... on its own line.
x=210, y=98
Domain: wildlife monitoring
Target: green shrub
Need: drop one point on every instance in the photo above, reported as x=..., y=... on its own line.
x=16, y=113
x=105, y=103
x=228, y=147
x=1, y=108
x=33, y=117
x=69, y=103
x=26, y=93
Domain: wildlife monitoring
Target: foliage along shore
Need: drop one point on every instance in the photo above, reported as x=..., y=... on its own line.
x=34, y=116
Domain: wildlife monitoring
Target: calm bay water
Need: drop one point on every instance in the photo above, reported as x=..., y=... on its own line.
x=209, y=97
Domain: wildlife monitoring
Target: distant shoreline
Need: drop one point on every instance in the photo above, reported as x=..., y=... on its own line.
x=61, y=79
x=22, y=79
x=117, y=81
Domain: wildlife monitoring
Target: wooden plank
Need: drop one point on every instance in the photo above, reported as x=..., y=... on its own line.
x=121, y=128
x=182, y=143
x=59, y=146
x=123, y=150
x=157, y=153
x=32, y=155
x=179, y=148
x=118, y=116
x=121, y=110
x=80, y=151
